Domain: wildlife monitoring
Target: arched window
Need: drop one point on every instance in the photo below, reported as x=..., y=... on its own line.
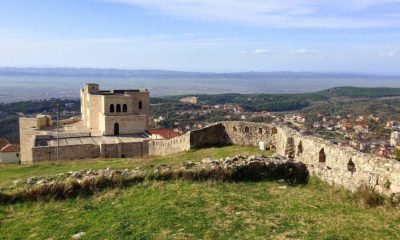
x=274, y=130
x=234, y=129
x=118, y=108
x=112, y=108
x=322, y=156
x=299, y=149
x=116, y=129
x=140, y=104
x=260, y=130
x=290, y=148
x=124, y=108
x=351, y=167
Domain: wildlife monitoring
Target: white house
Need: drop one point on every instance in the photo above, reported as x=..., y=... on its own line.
x=10, y=154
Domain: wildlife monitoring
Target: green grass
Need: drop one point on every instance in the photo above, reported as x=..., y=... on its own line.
x=196, y=210
x=189, y=210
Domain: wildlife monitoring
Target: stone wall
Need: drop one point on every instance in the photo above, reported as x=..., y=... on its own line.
x=82, y=151
x=136, y=149
x=170, y=146
x=65, y=152
x=342, y=166
x=212, y=135
x=249, y=133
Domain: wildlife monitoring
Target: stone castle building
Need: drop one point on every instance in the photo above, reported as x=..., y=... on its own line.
x=117, y=112
x=113, y=123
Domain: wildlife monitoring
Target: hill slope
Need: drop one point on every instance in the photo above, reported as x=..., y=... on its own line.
x=195, y=210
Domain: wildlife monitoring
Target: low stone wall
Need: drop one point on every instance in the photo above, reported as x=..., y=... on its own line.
x=170, y=146
x=85, y=151
x=137, y=149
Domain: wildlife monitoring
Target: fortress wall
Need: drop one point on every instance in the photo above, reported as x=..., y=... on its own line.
x=249, y=133
x=170, y=146
x=109, y=150
x=212, y=135
x=343, y=166
x=135, y=149
x=65, y=152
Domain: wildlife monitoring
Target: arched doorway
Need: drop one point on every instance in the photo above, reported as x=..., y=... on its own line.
x=322, y=156
x=300, y=149
x=116, y=129
x=351, y=167
x=290, y=148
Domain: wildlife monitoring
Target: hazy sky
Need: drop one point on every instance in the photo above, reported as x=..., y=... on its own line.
x=203, y=35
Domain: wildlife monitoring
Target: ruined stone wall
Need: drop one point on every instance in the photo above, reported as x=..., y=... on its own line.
x=170, y=146
x=343, y=166
x=212, y=135
x=249, y=133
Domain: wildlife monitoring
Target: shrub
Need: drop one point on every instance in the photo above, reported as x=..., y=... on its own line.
x=369, y=196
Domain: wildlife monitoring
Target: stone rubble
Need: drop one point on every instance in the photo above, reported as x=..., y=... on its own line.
x=229, y=163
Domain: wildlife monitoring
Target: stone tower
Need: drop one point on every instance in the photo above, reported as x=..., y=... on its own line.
x=115, y=112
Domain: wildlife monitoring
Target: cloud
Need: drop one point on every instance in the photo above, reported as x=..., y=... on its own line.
x=303, y=51
x=261, y=51
x=340, y=14
x=388, y=54
x=264, y=51
x=392, y=53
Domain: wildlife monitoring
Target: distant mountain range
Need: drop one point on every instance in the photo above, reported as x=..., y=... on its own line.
x=93, y=72
x=18, y=84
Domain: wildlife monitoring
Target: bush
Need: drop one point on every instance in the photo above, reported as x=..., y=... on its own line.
x=369, y=196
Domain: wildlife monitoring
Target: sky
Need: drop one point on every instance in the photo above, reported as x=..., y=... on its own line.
x=361, y=36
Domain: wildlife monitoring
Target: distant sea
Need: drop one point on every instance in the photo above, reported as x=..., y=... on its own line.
x=26, y=85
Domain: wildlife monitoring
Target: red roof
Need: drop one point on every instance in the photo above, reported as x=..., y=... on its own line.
x=164, y=132
x=3, y=142
x=10, y=148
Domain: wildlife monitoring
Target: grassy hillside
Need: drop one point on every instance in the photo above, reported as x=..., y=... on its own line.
x=287, y=102
x=193, y=210
x=361, y=92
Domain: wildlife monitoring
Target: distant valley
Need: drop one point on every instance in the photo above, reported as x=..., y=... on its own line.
x=19, y=84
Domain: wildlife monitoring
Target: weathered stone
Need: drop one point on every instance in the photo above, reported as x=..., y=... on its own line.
x=78, y=235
